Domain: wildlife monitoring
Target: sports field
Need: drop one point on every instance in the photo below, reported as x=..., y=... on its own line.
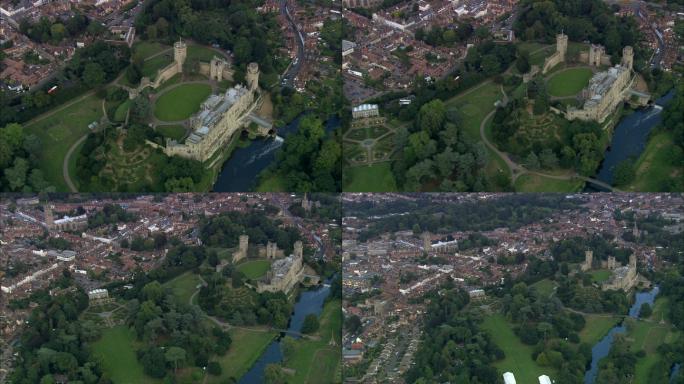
x=518, y=355
x=116, y=351
x=568, y=82
x=59, y=130
x=254, y=269
x=181, y=102
x=374, y=178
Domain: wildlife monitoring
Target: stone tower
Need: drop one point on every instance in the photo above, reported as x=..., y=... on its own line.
x=271, y=250
x=252, y=76
x=49, y=218
x=244, y=244
x=298, y=250
x=632, y=261
x=596, y=53
x=588, y=260
x=427, y=241
x=216, y=66
x=635, y=231
x=628, y=57
x=562, y=45
x=611, y=262
x=180, y=52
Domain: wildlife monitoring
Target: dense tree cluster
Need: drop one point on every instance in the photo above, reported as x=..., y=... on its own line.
x=580, y=293
x=581, y=20
x=224, y=230
x=56, y=342
x=571, y=250
x=19, y=161
x=54, y=31
x=310, y=159
x=235, y=25
x=437, y=35
x=453, y=349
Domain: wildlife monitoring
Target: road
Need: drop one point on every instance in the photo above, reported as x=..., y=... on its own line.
x=290, y=74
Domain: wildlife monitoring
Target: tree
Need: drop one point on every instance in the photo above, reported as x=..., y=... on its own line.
x=645, y=311
x=523, y=64
x=214, y=368
x=532, y=161
x=175, y=355
x=352, y=324
x=431, y=116
x=93, y=75
x=310, y=324
x=274, y=374
x=624, y=172
x=288, y=346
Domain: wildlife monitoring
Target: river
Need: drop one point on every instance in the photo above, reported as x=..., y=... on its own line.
x=309, y=302
x=602, y=348
x=239, y=173
x=630, y=137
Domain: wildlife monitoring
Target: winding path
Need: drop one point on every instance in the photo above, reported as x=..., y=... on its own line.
x=518, y=170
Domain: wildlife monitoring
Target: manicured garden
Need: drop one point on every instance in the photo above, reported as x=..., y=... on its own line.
x=181, y=102
x=568, y=82
x=254, y=269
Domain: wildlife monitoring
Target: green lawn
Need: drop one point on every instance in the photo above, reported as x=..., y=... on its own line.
x=245, y=349
x=568, y=82
x=600, y=275
x=648, y=336
x=656, y=167
x=151, y=66
x=597, y=327
x=184, y=286
x=518, y=355
x=116, y=350
x=254, y=269
x=374, y=178
x=146, y=49
x=176, y=131
x=474, y=106
x=545, y=287
x=181, y=102
x=535, y=183
x=273, y=183
x=122, y=111
x=201, y=53
x=59, y=131
x=315, y=361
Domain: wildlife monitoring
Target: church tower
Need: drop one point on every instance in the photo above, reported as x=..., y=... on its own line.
x=49, y=218
x=427, y=241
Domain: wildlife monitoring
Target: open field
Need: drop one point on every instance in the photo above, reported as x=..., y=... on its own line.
x=374, y=178
x=545, y=287
x=536, y=183
x=315, y=361
x=146, y=49
x=597, y=327
x=151, y=66
x=181, y=102
x=116, y=351
x=245, y=349
x=568, y=82
x=183, y=286
x=122, y=111
x=201, y=53
x=648, y=336
x=474, y=106
x=518, y=355
x=59, y=131
x=254, y=269
x=656, y=167
x=273, y=183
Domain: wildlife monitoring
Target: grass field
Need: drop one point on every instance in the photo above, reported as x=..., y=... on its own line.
x=568, y=82
x=183, y=286
x=656, y=167
x=536, y=183
x=175, y=131
x=474, y=106
x=181, y=102
x=315, y=361
x=518, y=355
x=545, y=287
x=146, y=49
x=597, y=327
x=254, y=269
x=374, y=178
x=245, y=349
x=122, y=111
x=273, y=183
x=201, y=53
x=600, y=275
x=59, y=131
x=151, y=66
x=117, y=352
x=648, y=336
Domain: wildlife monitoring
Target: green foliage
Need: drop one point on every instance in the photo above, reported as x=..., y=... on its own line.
x=19, y=156
x=310, y=324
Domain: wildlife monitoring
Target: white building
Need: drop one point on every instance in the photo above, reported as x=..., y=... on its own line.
x=365, y=110
x=509, y=378
x=543, y=379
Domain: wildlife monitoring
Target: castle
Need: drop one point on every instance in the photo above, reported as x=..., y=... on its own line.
x=623, y=277
x=285, y=273
x=606, y=89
